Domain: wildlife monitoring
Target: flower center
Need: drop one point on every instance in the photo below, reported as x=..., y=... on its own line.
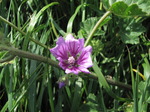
x=71, y=60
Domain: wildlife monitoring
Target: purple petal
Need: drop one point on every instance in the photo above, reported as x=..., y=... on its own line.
x=63, y=65
x=82, y=69
x=72, y=70
x=85, y=58
x=69, y=37
x=75, y=46
x=53, y=51
x=85, y=61
x=81, y=42
x=88, y=49
x=60, y=40
x=61, y=84
x=62, y=51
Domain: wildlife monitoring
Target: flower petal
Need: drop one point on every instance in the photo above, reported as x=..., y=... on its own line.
x=85, y=58
x=53, y=51
x=61, y=84
x=82, y=69
x=62, y=51
x=74, y=47
x=70, y=37
x=63, y=65
x=72, y=70
x=81, y=42
x=60, y=40
x=85, y=61
x=88, y=49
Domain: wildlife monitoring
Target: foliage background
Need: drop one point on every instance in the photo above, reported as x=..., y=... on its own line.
x=119, y=45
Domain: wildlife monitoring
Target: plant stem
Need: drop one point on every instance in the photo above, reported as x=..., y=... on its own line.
x=16, y=28
x=96, y=27
x=9, y=58
x=110, y=81
x=25, y=54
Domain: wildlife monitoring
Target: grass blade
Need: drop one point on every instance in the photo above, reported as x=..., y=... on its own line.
x=71, y=20
x=102, y=80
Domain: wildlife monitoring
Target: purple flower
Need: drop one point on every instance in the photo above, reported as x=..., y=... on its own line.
x=61, y=84
x=72, y=55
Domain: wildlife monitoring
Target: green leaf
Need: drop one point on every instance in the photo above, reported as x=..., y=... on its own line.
x=146, y=66
x=122, y=9
x=126, y=8
x=128, y=107
x=141, y=87
x=88, y=25
x=147, y=43
x=119, y=8
x=90, y=105
x=130, y=30
x=97, y=46
x=148, y=100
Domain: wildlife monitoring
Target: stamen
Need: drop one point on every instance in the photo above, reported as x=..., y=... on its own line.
x=71, y=60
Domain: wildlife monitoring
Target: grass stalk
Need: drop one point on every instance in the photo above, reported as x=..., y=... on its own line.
x=23, y=33
x=134, y=85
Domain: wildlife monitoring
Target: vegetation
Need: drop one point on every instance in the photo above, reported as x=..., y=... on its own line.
x=117, y=30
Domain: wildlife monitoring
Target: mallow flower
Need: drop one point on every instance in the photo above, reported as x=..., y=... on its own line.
x=63, y=81
x=61, y=84
x=73, y=57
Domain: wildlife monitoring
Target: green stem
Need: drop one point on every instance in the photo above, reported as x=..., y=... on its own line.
x=110, y=81
x=96, y=27
x=25, y=54
x=83, y=9
x=53, y=27
x=9, y=58
x=16, y=28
